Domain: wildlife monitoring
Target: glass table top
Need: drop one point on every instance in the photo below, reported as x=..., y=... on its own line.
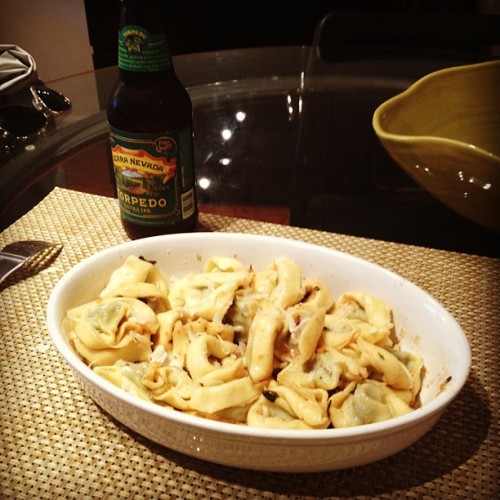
x=279, y=135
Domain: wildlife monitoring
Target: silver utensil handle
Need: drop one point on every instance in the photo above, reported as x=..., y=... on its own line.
x=9, y=263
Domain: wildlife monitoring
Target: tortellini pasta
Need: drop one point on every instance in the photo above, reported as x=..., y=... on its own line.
x=267, y=348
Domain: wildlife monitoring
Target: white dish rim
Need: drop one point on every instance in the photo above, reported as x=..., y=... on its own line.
x=318, y=436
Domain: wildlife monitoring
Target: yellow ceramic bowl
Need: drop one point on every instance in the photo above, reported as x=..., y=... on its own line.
x=444, y=131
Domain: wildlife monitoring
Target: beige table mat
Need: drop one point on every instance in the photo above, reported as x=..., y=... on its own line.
x=56, y=443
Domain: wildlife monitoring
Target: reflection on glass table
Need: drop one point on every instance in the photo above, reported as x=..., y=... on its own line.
x=275, y=139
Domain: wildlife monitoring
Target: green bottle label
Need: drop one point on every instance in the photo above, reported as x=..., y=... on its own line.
x=140, y=51
x=154, y=176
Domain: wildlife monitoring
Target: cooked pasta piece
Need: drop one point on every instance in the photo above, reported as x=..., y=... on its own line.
x=109, y=330
x=166, y=323
x=369, y=313
x=180, y=344
x=369, y=402
x=266, y=325
x=322, y=372
x=340, y=332
x=207, y=295
x=126, y=376
x=264, y=413
x=318, y=295
x=154, y=297
x=306, y=326
x=233, y=394
x=415, y=365
x=242, y=311
x=282, y=407
x=170, y=385
x=393, y=372
x=222, y=330
x=289, y=288
x=224, y=264
x=205, y=353
x=133, y=270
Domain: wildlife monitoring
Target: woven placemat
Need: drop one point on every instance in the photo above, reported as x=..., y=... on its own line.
x=56, y=443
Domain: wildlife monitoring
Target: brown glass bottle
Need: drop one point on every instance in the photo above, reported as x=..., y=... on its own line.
x=150, y=119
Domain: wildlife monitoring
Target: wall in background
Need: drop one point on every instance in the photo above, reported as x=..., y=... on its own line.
x=54, y=32
x=201, y=25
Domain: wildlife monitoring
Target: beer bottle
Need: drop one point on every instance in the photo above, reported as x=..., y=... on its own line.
x=151, y=133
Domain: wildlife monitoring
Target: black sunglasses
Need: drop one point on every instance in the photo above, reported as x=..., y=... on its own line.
x=20, y=123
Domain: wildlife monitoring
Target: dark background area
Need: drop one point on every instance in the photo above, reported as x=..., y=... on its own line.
x=198, y=26
x=350, y=184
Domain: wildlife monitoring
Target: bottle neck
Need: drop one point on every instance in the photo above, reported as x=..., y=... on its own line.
x=142, y=41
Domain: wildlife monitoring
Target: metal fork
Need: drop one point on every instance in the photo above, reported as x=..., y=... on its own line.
x=16, y=254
